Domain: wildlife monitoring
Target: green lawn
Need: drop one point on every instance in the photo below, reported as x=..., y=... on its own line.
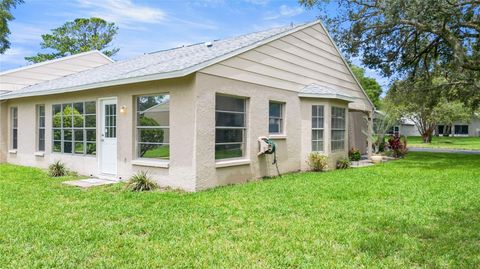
x=446, y=142
x=422, y=211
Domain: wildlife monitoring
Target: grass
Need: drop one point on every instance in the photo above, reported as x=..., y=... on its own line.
x=471, y=143
x=422, y=211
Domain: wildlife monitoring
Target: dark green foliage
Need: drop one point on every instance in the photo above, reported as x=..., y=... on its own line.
x=57, y=169
x=141, y=182
x=343, y=163
x=5, y=17
x=80, y=35
x=402, y=37
x=370, y=85
x=354, y=155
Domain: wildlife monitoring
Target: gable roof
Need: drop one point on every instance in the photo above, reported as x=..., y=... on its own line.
x=164, y=64
x=25, y=76
x=173, y=63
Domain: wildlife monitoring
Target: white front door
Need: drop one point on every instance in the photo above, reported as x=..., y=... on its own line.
x=108, y=139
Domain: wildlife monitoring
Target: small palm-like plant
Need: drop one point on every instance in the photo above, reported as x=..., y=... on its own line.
x=141, y=182
x=343, y=163
x=57, y=169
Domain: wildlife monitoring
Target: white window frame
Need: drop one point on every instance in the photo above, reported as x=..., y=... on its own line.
x=14, y=127
x=137, y=127
x=316, y=117
x=281, y=126
x=338, y=129
x=244, y=128
x=73, y=128
x=40, y=128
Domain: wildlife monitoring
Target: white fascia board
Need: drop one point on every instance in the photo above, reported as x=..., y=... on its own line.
x=159, y=76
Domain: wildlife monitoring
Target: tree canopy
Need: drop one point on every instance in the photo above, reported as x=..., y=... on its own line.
x=399, y=37
x=424, y=103
x=370, y=85
x=5, y=17
x=80, y=35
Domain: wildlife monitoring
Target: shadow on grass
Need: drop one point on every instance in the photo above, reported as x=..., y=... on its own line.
x=440, y=161
x=451, y=240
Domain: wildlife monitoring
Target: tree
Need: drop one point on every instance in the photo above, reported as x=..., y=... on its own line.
x=421, y=100
x=5, y=17
x=77, y=36
x=399, y=37
x=370, y=85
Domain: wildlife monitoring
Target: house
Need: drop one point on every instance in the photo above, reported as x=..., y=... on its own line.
x=472, y=128
x=191, y=116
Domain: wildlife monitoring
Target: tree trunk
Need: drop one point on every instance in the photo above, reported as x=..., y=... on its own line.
x=427, y=136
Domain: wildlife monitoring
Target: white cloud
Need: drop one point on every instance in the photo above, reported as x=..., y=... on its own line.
x=258, y=2
x=26, y=33
x=13, y=58
x=284, y=11
x=123, y=12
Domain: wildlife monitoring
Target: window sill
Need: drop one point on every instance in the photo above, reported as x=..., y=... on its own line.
x=12, y=151
x=39, y=154
x=228, y=163
x=277, y=136
x=151, y=163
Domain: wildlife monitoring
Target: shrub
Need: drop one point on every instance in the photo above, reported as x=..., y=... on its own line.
x=398, y=145
x=317, y=162
x=354, y=155
x=141, y=182
x=343, y=163
x=57, y=169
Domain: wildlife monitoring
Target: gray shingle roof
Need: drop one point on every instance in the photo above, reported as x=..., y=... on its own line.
x=157, y=65
x=318, y=91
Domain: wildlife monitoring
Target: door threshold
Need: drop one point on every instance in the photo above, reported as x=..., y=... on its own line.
x=110, y=177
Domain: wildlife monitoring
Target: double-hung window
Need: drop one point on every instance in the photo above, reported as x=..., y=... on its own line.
x=41, y=127
x=317, y=127
x=14, y=123
x=230, y=127
x=153, y=126
x=74, y=128
x=338, y=128
x=275, y=117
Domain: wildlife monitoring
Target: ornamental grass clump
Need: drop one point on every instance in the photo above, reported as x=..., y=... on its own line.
x=141, y=182
x=317, y=162
x=343, y=163
x=57, y=169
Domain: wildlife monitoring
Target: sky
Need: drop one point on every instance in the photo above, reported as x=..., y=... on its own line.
x=152, y=25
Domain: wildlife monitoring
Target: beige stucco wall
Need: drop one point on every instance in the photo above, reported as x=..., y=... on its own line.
x=181, y=172
x=292, y=148
x=3, y=131
x=357, y=128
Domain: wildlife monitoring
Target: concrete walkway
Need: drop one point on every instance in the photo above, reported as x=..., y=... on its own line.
x=461, y=151
x=89, y=182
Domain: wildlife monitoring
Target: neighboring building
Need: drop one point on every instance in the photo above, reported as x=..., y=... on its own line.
x=471, y=128
x=408, y=128
x=191, y=116
x=22, y=77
